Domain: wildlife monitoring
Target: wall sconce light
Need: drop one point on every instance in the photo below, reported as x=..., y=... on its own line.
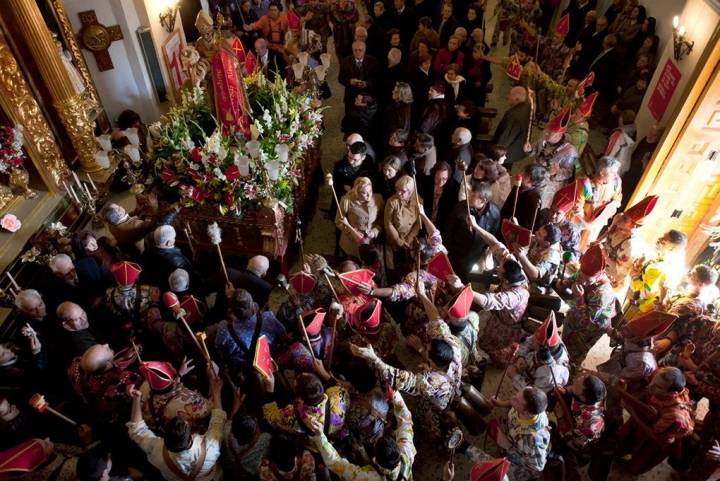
x=681, y=45
x=168, y=16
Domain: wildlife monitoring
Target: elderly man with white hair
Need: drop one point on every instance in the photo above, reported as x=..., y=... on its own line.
x=165, y=257
x=460, y=154
x=127, y=230
x=252, y=279
x=31, y=316
x=77, y=336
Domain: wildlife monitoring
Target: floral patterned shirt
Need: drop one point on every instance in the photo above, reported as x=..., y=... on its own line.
x=588, y=424
x=294, y=418
x=530, y=439
x=405, y=290
x=351, y=472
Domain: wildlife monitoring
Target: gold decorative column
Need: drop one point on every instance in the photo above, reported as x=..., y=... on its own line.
x=70, y=107
x=18, y=102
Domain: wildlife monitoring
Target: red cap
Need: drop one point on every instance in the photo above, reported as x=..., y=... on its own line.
x=238, y=48
x=586, y=107
x=547, y=334
x=171, y=300
x=125, y=273
x=302, y=282
x=459, y=307
x=592, y=262
x=565, y=198
x=587, y=81
x=365, y=322
x=23, y=458
x=313, y=321
x=493, y=470
x=642, y=209
x=515, y=234
x=194, y=308
x=514, y=69
x=351, y=279
x=651, y=324
x=563, y=25
x=440, y=266
x=559, y=123
x=158, y=374
x=293, y=20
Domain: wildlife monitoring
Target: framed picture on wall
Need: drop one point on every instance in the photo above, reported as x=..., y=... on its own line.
x=172, y=54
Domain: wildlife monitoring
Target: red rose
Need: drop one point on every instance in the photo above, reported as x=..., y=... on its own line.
x=168, y=176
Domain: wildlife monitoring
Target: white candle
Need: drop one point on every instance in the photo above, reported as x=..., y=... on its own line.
x=87, y=189
x=72, y=192
x=77, y=181
x=91, y=182
x=12, y=279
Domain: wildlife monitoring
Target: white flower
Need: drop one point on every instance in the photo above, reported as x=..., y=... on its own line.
x=187, y=143
x=219, y=174
x=58, y=227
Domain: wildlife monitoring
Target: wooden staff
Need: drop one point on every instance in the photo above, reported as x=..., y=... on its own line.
x=137, y=351
x=467, y=200
x=531, y=98
x=518, y=184
x=305, y=335
x=537, y=44
x=12, y=280
x=331, y=348
x=299, y=239
x=38, y=402
x=332, y=288
x=215, y=235
x=532, y=226
x=201, y=337
x=188, y=237
x=329, y=182
x=515, y=346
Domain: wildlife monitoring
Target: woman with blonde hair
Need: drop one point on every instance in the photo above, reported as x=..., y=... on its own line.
x=359, y=218
x=402, y=222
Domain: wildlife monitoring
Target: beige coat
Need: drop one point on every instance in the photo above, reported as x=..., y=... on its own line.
x=365, y=218
x=402, y=223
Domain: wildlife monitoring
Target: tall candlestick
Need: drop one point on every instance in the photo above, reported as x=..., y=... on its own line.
x=67, y=190
x=87, y=189
x=91, y=182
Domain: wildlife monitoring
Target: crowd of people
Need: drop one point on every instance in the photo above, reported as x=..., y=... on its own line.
x=133, y=358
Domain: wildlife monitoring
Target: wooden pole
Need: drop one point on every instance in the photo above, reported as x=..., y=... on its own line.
x=61, y=415
x=222, y=263
x=467, y=199
x=518, y=184
x=531, y=98
x=532, y=226
x=181, y=318
x=516, y=346
x=188, y=237
x=305, y=335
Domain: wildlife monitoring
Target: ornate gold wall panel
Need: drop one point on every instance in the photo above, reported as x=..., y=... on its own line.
x=70, y=106
x=20, y=105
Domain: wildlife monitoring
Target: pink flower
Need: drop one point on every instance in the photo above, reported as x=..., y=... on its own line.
x=10, y=223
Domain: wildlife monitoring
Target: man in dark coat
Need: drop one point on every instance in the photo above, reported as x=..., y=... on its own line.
x=591, y=46
x=513, y=127
x=533, y=179
x=465, y=246
x=446, y=24
x=605, y=66
x=164, y=257
x=434, y=115
x=358, y=73
x=406, y=21
x=577, y=9
x=252, y=279
x=355, y=164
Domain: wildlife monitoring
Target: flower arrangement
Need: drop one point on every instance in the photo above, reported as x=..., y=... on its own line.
x=203, y=165
x=11, y=142
x=53, y=239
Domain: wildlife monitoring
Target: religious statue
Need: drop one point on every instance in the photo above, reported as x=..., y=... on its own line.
x=228, y=91
x=75, y=77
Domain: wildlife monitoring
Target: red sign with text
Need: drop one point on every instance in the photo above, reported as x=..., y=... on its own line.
x=664, y=90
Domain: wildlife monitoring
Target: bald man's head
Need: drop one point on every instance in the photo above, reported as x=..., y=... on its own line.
x=517, y=95
x=97, y=358
x=259, y=265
